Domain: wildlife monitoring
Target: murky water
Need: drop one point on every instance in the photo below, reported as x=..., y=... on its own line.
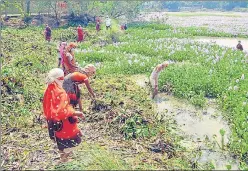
x=228, y=42
x=199, y=127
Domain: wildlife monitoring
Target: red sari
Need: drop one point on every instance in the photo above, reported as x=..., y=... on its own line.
x=48, y=33
x=69, y=65
x=62, y=125
x=80, y=34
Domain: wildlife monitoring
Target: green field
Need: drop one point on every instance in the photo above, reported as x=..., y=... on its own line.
x=200, y=71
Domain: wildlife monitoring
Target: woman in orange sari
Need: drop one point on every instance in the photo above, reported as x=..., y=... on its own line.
x=60, y=115
x=72, y=82
x=69, y=59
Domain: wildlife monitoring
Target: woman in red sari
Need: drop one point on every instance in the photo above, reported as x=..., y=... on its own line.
x=97, y=24
x=60, y=115
x=80, y=34
x=48, y=33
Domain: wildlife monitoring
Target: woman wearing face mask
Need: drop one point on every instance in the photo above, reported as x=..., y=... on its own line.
x=69, y=59
x=72, y=82
x=60, y=115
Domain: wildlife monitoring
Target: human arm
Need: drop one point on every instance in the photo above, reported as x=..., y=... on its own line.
x=80, y=105
x=78, y=114
x=89, y=88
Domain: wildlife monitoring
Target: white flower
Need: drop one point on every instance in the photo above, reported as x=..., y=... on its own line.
x=130, y=62
x=237, y=81
x=244, y=103
x=242, y=77
x=235, y=88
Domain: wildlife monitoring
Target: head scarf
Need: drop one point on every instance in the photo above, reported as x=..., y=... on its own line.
x=165, y=64
x=89, y=69
x=70, y=46
x=53, y=76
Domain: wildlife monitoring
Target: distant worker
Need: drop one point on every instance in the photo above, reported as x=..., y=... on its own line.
x=124, y=27
x=154, y=77
x=48, y=33
x=239, y=46
x=80, y=34
x=97, y=24
x=108, y=23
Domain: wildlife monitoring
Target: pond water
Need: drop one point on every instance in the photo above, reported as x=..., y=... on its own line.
x=199, y=127
x=228, y=42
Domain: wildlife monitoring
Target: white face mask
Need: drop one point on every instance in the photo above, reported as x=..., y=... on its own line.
x=59, y=82
x=73, y=50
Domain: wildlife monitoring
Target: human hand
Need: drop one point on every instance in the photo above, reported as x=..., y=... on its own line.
x=93, y=97
x=79, y=114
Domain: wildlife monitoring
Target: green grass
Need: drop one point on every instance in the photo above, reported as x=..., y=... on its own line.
x=197, y=75
x=93, y=157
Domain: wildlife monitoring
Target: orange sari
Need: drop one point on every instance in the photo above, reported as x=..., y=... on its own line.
x=62, y=125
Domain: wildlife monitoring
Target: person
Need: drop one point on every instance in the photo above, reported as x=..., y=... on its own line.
x=154, y=77
x=108, y=23
x=125, y=26
x=122, y=27
x=60, y=115
x=239, y=46
x=72, y=82
x=97, y=24
x=48, y=33
x=61, y=51
x=80, y=34
x=69, y=60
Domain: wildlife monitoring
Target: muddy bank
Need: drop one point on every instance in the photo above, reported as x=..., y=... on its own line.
x=205, y=131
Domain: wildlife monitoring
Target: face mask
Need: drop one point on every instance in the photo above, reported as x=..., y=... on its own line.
x=59, y=82
x=73, y=50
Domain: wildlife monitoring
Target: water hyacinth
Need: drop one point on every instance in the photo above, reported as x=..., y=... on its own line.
x=130, y=62
x=242, y=77
x=235, y=88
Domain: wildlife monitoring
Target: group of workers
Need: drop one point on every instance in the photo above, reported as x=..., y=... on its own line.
x=80, y=32
x=62, y=95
